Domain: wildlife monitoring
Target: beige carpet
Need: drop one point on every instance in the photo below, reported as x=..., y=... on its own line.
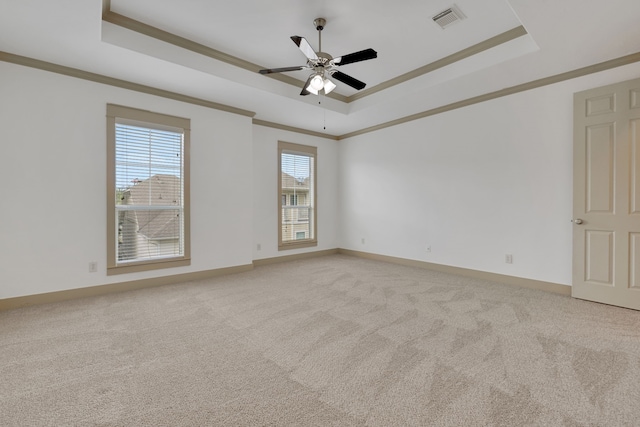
x=334, y=340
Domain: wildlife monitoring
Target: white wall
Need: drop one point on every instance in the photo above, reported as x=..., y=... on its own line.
x=53, y=182
x=266, y=202
x=475, y=184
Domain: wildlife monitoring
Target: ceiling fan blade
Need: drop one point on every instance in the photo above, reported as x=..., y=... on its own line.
x=281, y=70
x=305, y=47
x=348, y=80
x=363, y=55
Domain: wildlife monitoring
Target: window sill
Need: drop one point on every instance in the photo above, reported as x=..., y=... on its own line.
x=136, y=267
x=297, y=244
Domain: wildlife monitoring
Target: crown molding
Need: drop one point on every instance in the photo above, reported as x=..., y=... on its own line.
x=124, y=84
x=98, y=78
x=595, y=68
x=274, y=125
x=505, y=37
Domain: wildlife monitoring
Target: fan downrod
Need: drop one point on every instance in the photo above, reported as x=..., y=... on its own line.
x=319, y=23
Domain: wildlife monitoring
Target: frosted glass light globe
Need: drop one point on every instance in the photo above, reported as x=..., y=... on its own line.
x=317, y=82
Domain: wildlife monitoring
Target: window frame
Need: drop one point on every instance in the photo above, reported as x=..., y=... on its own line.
x=304, y=150
x=153, y=120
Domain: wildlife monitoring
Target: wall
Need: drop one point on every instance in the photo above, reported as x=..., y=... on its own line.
x=265, y=187
x=474, y=184
x=53, y=182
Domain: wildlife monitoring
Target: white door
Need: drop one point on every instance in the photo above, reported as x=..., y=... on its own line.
x=606, y=201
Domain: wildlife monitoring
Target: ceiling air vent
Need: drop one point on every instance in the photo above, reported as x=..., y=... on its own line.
x=448, y=17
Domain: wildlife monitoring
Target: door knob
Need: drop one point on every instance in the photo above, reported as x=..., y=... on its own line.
x=577, y=221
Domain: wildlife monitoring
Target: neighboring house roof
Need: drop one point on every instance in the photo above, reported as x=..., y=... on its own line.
x=157, y=190
x=159, y=225
x=289, y=182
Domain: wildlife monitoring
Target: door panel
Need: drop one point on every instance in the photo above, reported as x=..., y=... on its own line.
x=606, y=240
x=635, y=167
x=634, y=99
x=600, y=167
x=601, y=104
x=634, y=258
x=600, y=255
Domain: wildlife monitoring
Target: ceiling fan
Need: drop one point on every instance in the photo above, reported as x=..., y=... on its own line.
x=324, y=65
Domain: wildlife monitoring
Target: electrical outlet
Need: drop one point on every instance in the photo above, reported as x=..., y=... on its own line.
x=508, y=258
x=362, y=240
x=258, y=246
x=93, y=267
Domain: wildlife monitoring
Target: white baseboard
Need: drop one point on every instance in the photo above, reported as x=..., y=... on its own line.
x=483, y=275
x=45, y=298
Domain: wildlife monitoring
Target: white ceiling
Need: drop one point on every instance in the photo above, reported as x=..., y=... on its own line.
x=562, y=35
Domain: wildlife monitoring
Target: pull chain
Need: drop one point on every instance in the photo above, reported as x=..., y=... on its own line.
x=324, y=125
x=324, y=110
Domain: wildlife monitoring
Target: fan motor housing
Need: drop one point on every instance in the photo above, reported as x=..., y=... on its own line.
x=324, y=57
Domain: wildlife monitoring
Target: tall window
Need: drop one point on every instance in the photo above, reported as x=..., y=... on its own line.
x=148, y=190
x=297, y=184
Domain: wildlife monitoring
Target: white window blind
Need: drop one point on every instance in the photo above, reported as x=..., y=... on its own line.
x=297, y=187
x=149, y=182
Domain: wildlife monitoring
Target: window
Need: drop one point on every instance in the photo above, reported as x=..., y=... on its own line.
x=148, y=190
x=297, y=183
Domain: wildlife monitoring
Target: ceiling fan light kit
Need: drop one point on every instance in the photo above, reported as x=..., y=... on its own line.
x=324, y=65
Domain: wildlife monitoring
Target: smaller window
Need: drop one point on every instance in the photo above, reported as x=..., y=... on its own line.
x=297, y=167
